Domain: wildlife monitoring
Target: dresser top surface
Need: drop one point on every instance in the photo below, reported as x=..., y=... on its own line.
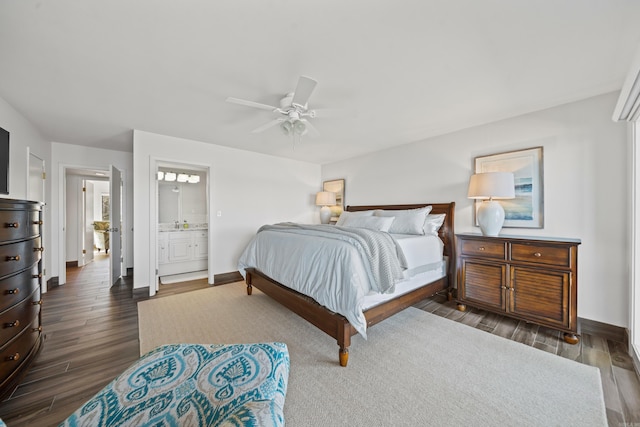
x=522, y=238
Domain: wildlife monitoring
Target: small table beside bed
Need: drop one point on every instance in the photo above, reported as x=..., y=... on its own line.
x=305, y=267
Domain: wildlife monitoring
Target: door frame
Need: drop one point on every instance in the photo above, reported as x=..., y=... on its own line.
x=62, y=214
x=154, y=164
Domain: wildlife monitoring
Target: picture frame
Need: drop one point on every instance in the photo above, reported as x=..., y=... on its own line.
x=526, y=210
x=105, y=207
x=335, y=186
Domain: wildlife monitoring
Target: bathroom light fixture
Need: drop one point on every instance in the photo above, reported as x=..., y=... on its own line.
x=193, y=179
x=170, y=176
x=491, y=185
x=160, y=175
x=183, y=177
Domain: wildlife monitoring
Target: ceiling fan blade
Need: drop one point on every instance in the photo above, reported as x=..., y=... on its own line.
x=268, y=125
x=303, y=92
x=251, y=104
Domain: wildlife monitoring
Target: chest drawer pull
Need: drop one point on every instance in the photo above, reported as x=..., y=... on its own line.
x=13, y=357
x=481, y=248
x=12, y=324
x=38, y=249
x=11, y=225
x=13, y=258
x=37, y=222
x=537, y=254
x=12, y=291
x=38, y=329
x=36, y=276
x=37, y=302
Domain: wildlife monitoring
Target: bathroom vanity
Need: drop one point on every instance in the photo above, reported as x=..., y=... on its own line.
x=182, y=251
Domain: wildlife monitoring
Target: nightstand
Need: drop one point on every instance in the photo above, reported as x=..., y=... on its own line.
x=532, y=279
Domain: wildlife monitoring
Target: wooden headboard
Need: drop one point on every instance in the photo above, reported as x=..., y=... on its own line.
x=446, y=233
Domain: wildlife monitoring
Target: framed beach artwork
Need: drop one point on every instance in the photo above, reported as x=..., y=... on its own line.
x=527, y=209
x=335, y=186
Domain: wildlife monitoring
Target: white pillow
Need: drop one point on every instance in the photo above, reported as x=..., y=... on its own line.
x=346, y=214
x=408, y=221
x=370, y=222
x=433, y=223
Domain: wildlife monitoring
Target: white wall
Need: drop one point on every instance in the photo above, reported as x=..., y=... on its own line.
x=249, y=189
x=25, y=138
x=76, y=156
x=586, y=187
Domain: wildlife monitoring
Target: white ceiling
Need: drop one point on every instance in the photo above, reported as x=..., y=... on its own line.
x=88, y=72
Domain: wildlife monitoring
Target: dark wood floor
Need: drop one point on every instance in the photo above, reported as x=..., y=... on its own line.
x=91, y=335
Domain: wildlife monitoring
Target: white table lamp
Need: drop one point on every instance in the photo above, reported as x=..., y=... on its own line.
x=491, y=185
x=325, y=199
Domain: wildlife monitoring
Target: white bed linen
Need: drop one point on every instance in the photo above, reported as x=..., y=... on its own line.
x=432, y=272
x=334, y=274
x=329, y=271
x=420, y=249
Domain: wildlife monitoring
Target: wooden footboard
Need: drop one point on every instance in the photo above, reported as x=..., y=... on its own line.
x=336, y=325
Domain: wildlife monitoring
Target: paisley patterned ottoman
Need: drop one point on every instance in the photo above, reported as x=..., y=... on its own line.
x=195, y=385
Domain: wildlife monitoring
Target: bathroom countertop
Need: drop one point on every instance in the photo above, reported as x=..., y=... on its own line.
x=163, y=228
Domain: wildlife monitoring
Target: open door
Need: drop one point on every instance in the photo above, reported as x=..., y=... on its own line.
x=115, y=232
x=87, y=223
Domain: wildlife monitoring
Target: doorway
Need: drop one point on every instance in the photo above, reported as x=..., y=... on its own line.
x=88, y=211
x=180, y=216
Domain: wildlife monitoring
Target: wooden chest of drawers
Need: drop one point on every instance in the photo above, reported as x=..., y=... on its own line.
x=535, y=280
x=20, y=280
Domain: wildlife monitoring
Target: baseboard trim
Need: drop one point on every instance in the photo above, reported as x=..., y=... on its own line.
x=224, y=278
x=614, y=333
x=72, y=264
x=53, y=282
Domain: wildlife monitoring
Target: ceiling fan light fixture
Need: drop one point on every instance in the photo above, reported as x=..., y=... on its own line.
x=286, y=127
x=299, y=127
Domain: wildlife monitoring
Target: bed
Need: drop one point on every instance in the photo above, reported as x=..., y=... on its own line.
x=337, y=325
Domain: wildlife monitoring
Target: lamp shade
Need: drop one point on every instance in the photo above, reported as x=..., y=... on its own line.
x=492, y=185
x=325, y=198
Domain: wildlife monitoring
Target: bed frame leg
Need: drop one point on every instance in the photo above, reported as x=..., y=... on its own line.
x=344, y=356
x=249, y=287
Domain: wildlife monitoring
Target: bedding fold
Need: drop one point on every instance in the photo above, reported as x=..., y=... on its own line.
x=385, y=258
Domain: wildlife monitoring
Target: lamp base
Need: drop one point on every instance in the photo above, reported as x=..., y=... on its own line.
x=490, y=217
x=325, y=215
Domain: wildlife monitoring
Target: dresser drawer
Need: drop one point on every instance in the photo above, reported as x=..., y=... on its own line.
x=541, y=254
x=16, y=351
x=15, y=225
x=15, y=319
x=485, y=248
x=14, y=289
x=15, y=257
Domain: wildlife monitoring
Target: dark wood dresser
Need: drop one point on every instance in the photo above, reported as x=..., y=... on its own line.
x=533, y=279
x=20, y=278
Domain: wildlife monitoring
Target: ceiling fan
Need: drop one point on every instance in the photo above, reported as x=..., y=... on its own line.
x=293, y=112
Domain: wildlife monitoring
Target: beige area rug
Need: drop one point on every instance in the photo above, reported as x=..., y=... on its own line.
x=415, y=369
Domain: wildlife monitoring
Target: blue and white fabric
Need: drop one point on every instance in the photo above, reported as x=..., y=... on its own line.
x=195, y=385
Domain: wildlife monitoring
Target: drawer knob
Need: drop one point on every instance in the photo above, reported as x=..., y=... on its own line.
x=41, y=249
x=38, y=329
x=37, y=302
x=37, y=276
x=13, y=357
x=13, y=258
x=481, y=248
x=37, y=222
x=12, y=324
x=12, y=225
x=13, y=291
x=537, y=254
